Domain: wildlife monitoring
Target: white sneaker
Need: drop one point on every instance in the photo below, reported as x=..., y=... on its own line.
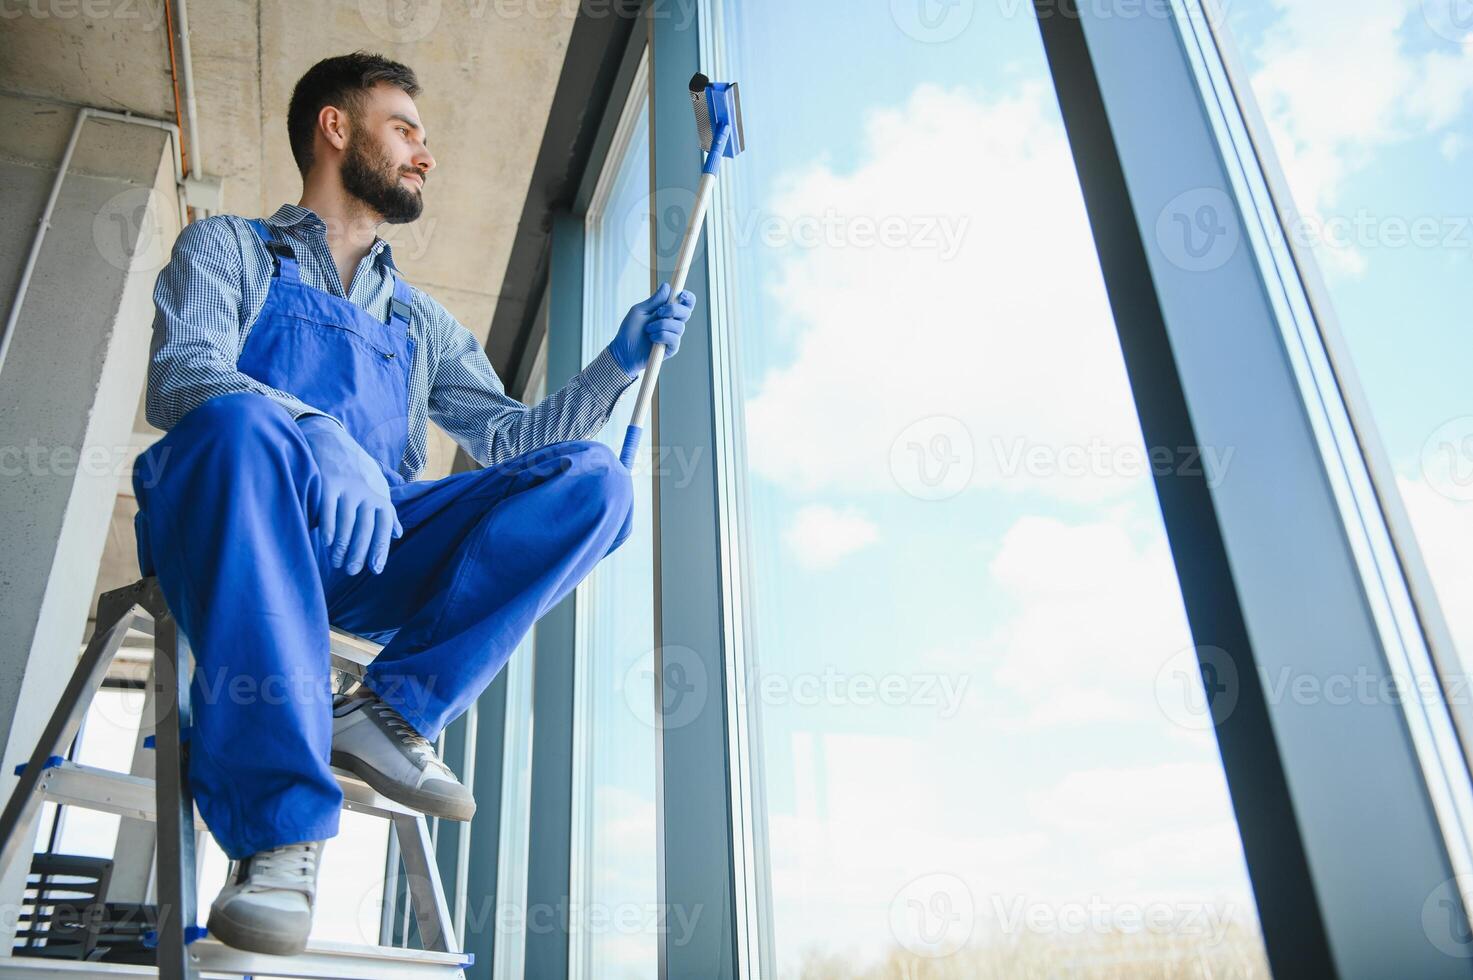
x=266, y=904
x=374, y=742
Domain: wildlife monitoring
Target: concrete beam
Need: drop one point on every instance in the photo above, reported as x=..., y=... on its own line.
x=79, y=353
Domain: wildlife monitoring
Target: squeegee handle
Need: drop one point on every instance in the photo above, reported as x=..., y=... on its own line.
x=677, y=283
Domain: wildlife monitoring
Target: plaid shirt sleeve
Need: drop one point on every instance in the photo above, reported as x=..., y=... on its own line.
x=468, y=400
x=197, y=328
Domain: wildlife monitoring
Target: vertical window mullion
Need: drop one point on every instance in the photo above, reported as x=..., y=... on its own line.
x=697, y=861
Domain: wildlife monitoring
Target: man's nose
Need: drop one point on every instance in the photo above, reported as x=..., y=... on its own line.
x=424, y=161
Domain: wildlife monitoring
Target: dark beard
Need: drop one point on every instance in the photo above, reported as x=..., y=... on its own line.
x=369, y=176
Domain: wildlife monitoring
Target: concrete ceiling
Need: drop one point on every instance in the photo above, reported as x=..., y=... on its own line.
x=488, y=69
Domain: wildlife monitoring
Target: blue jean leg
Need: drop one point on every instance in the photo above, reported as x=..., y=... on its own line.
x=223, y=523
x=483, y=556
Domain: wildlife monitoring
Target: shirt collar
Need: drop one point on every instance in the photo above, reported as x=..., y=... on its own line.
x=294, y=214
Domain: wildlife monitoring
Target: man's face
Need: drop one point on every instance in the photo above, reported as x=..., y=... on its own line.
x=386, y=159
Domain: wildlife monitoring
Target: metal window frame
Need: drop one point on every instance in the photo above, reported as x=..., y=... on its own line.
x=701, y=856
x=1347, y=821
x=549, y=859
x=616, y=138
x=695, y=869
x=544, y=272
x=752, y=887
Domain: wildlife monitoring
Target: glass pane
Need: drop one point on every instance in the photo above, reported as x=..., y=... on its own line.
x=983, y=745
x=1368, y=106
x=509, y=944
x=614, y=891
x=510, y=926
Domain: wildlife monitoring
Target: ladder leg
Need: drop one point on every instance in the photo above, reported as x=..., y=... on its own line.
x=133, y=854
x=114, y=616
x=175, y=850
x=391, y=890
x=463, y=835
x=426, y=894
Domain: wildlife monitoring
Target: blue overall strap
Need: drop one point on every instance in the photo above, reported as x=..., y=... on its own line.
x=400, y=306
x=286, y=259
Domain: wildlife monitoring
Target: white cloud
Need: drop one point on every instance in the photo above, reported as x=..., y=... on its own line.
x=1095, y=616
x=617, y=915
x=821, y=536
x=1444, y=529
x=1337, y=83
x=1145, y=800
x=1012, y=336
x=1202, y=850
x=1154, y=829
x=623, y=841
x=851, y=846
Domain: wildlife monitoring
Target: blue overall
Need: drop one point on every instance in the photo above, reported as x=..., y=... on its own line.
x=224, y=522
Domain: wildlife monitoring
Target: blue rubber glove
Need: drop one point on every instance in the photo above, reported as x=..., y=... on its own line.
x=352, y=502
x=649, y=322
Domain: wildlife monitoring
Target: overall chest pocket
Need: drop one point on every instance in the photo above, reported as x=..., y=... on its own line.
x=379, y=342
x=326, y=363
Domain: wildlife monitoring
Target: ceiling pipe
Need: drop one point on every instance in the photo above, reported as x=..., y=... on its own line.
x=179, y=19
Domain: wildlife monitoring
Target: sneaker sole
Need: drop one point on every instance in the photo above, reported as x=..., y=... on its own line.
x=249, y=938
x=427, y=803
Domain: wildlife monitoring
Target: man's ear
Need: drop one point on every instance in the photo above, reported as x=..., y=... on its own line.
x=333, y=124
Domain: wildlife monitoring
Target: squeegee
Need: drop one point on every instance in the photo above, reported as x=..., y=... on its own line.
x=719, y=127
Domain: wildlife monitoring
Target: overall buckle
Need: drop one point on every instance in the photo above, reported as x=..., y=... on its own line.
x=280, y=252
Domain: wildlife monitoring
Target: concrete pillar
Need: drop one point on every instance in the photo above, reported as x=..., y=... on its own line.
x=68, y=390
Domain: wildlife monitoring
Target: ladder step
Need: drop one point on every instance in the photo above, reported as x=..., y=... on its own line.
x=91, y=788
x=326, y=959
x=73, y=784
x=350, y=654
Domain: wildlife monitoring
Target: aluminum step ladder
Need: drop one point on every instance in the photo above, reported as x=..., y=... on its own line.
x=185, y=950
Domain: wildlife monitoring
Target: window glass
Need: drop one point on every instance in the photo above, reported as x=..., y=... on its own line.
x=1370, y=110
x=516, y=800
x=984, y=747
x=614, y=816
x=516, y=786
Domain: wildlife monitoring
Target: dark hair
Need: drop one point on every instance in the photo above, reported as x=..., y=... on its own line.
x=340, y=81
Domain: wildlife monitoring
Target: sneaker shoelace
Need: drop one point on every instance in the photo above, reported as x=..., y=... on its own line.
x=292, y=867
x=411, y=740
